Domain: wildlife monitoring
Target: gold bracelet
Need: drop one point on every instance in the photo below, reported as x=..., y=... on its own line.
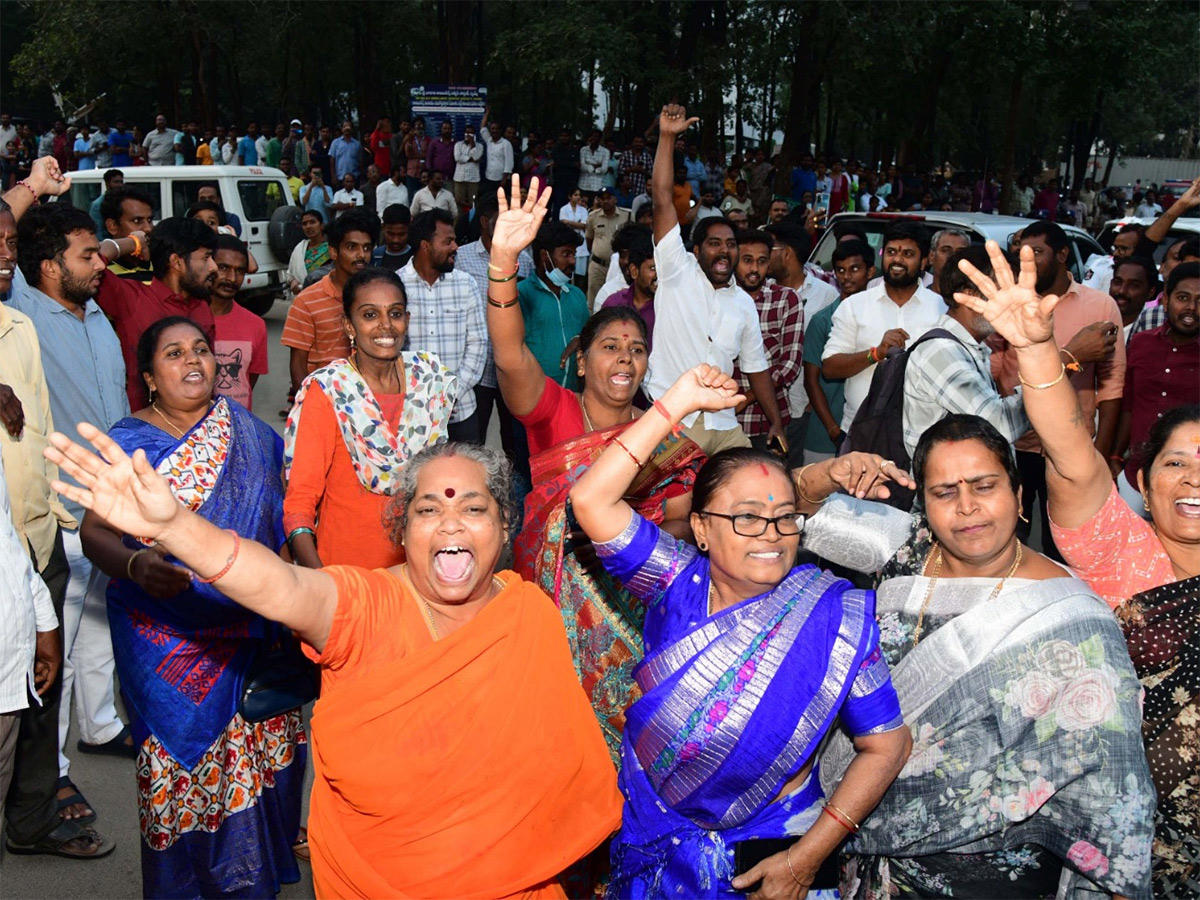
x=499, y=305
x=1048, y=384
x=800, y=490
x=790, y=869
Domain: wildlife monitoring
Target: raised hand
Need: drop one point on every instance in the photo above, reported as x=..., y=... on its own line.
x=517, y=225
x=704, y=388
x=125, y=491
x=1013, y=308
x=46, y=177
x=674, y=120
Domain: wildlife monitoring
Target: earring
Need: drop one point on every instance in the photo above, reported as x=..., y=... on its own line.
x=1021, y=516
x=1146, y=502
x=352, y=342
x=702, y=547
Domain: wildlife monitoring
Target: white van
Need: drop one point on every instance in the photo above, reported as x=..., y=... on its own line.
x=259, y=196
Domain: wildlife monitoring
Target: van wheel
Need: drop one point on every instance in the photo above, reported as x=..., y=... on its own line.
x=284, y=232
x=258, y=302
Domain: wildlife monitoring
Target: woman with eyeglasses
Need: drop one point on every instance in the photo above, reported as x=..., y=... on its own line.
x=749, y=660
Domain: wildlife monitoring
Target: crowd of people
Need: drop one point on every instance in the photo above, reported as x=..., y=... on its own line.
x=872, y=582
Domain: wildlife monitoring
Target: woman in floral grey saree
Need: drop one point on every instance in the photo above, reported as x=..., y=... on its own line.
x=1027, y=777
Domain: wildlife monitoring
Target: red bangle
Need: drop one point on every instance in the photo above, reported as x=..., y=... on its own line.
x=620, y=444
x=662, y=410
x=237, y=545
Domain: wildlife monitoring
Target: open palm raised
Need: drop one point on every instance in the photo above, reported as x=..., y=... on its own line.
x=517, y=224
x=126, y=492
x=1012, y=306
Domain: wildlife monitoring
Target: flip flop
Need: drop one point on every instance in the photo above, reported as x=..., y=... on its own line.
x=73, y=799
x=115, y=747
x=300, y=849
x=67, y=840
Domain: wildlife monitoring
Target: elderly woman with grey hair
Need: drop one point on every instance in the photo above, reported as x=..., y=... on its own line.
x=456, y=754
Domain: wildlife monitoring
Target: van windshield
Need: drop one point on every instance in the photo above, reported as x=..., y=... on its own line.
x=260, y=198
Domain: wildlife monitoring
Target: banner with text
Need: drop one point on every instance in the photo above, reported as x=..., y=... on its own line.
x=460, y=103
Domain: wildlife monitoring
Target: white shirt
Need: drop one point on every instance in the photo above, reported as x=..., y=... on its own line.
x=592, y=166
x=499, y=157
x=704, y=325
x=814, y=295
x=389, y=193
x=424, y=199
x=345, y=196
x=1148, y=211
x=25, y=609
x=613, y=281
x=260, y=147
x=577, y=214
x=860, y=323
x=466, y=161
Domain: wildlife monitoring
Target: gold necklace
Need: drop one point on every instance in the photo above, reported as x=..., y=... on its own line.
x=496, y=583
x=937, y=571
x=163, y=416
x=587, y=420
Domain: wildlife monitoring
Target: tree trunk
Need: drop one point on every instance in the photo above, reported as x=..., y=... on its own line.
x=1010, y=141
x=1085, y=141
x=1112, y=161
x=807, y=71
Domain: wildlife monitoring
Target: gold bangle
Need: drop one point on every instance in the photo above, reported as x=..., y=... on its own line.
x=844, y=815
x=800, y=490
x=499, y=305
x=1048, y=384
x=501, y=280
x=129, y=565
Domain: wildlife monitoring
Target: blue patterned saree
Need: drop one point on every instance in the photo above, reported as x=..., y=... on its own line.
x=733, y=706
x=218, y=797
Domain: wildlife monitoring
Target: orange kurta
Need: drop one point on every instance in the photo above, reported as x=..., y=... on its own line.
x=470, y=767
x=322, y=487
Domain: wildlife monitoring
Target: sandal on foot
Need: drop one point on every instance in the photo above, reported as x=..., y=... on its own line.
x=71, y=800
x=115, y=747
x=300, y=848
x=67, y=840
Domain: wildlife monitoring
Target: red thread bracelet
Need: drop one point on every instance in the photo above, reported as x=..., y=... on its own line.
x=237, y=545
x=662, y=411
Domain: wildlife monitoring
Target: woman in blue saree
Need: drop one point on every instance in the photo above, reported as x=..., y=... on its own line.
x=748, y=663
x=218, y=796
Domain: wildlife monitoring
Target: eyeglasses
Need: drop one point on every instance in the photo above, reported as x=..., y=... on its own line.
x=750, y=525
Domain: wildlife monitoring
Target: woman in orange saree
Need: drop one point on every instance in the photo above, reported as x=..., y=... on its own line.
x=455, y=753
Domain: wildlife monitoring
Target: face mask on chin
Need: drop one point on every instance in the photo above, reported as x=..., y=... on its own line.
x=558, y=277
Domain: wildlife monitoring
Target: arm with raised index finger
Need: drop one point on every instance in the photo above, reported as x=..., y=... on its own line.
x=132, y=498
x=1077, y=475
x=673, y=121
x=518, y=372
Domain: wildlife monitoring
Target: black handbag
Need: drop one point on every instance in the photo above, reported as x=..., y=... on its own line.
x=280, y=679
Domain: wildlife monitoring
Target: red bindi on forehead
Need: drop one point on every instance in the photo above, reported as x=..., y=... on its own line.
x=449, y=493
